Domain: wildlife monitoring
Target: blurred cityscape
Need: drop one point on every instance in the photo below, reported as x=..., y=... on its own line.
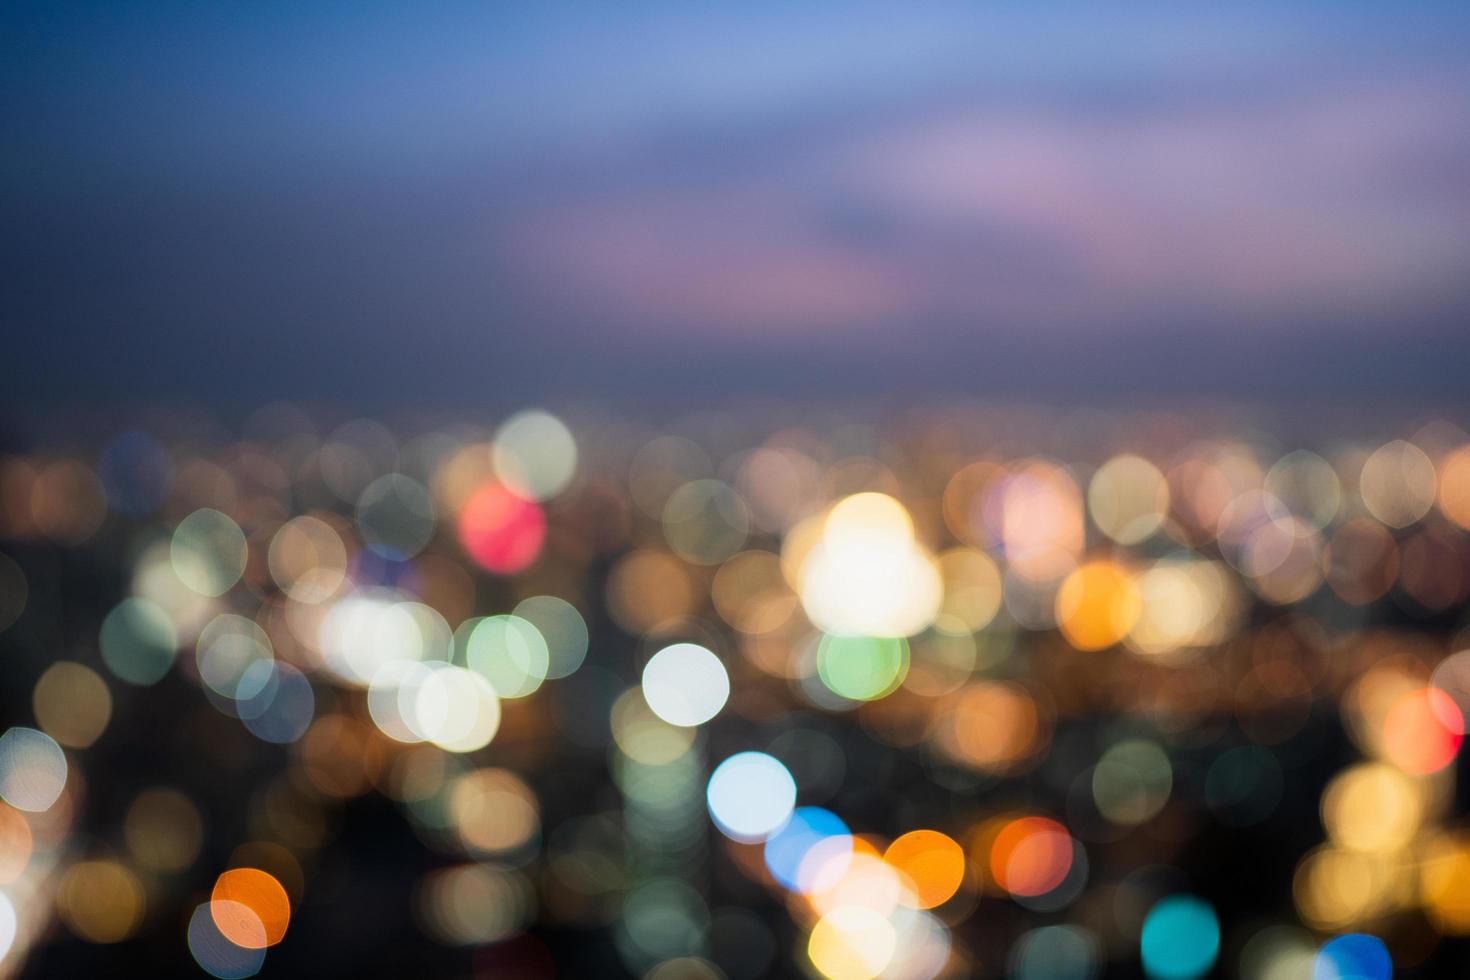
x=827, y=491
x=976, y=693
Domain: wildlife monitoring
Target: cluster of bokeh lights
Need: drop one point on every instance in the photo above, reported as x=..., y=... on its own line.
x=912, y=703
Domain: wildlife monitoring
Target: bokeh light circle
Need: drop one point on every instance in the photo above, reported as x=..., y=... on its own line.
x=510, y=653
x=535, y=454
x=563, y=629
x=862, y=668
x=208, y=552
x=454, y=708
x=257, y=892
x=1355, y=956
x=810, y=829
x=685, y=684
x=138, y=641
x=215, y=953
x=1056, y=953
x=1097, y=605
x=851, y=943
x=750, y=796
x=501, y=530
x=933, y=863
x=1132, y=781
x=1422, y=731
x=72, y=704
x=1180, y=939
x=32, y=769
x=396, y=516
x=283, y=709
x=1030, y=856
x=100, y=901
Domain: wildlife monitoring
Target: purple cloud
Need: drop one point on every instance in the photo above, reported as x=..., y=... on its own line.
x=1307, y=203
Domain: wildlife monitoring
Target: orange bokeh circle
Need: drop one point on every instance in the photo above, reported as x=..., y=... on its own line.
x=933, y=862
x=1031, y=856
x=250, y=908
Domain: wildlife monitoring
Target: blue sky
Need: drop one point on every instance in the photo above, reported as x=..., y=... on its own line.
x=497, y=202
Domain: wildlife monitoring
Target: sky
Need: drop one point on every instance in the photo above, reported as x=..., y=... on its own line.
x=466, y=204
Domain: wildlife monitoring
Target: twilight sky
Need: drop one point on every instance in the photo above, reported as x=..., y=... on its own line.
x=486, y=203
